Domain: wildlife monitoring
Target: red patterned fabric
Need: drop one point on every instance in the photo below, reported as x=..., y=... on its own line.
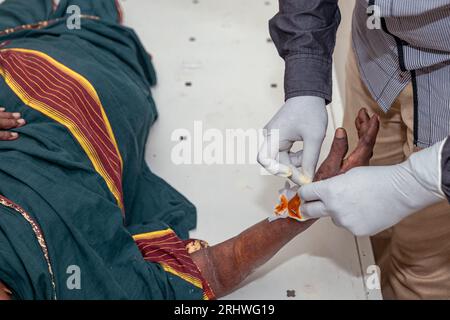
x=166, y=249
x=68, y=98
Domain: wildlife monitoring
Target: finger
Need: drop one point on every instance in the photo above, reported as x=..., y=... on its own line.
x=9, y=115
x=6, y=135
x=367, y=142
x=283, y=158
x=11, y=123
x=361, y=122
x=358, y=126
x=363, y=116
x=337, y=223
x=339, y=147
x=296, y=158
x=286, y=159
x=364, y=150
x=267, y=158
x=297, y=177
x=267, y=152
x=332, y=164
x=313, y=210
x=21, y=123
x=374, y=128
x=310, y=157
x=311, y=192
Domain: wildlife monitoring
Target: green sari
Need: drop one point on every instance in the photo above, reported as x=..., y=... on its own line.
x=76, y=192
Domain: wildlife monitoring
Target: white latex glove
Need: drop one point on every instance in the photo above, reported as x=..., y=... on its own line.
x=367, y=200
x=300, y=119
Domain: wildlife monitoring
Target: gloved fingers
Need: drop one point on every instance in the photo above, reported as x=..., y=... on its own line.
x=283, y=158
x=310, y=157
x=311, y=192
x=297, y=177
x=289, y=159
x=313, y=210
x=296, y=158
x=337, y=223
x=332, y=164
x=268, y=155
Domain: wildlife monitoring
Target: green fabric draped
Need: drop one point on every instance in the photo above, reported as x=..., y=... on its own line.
x=48, y=174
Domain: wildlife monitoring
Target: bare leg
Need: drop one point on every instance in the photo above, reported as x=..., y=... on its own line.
x=226, y=265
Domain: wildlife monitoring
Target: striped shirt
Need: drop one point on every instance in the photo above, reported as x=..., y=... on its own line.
x=411, y=44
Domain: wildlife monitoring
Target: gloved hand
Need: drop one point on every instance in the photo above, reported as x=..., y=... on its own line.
x=300, y=119
x=367, y=200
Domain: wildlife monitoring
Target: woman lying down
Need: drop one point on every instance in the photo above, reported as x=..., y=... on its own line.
x=77, y=197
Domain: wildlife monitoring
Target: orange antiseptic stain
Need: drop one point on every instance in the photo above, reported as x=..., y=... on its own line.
x=283, y=205
x=292, y=206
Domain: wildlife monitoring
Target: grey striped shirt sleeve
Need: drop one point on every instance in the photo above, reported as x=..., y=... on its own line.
x=304, y=32
x=396, y=8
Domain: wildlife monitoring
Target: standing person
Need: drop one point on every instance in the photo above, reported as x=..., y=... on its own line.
x=398, y=68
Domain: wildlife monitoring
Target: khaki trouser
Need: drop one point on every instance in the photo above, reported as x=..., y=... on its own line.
x=414, y=255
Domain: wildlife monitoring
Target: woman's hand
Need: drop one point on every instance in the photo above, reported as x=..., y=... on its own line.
x=9, y=120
